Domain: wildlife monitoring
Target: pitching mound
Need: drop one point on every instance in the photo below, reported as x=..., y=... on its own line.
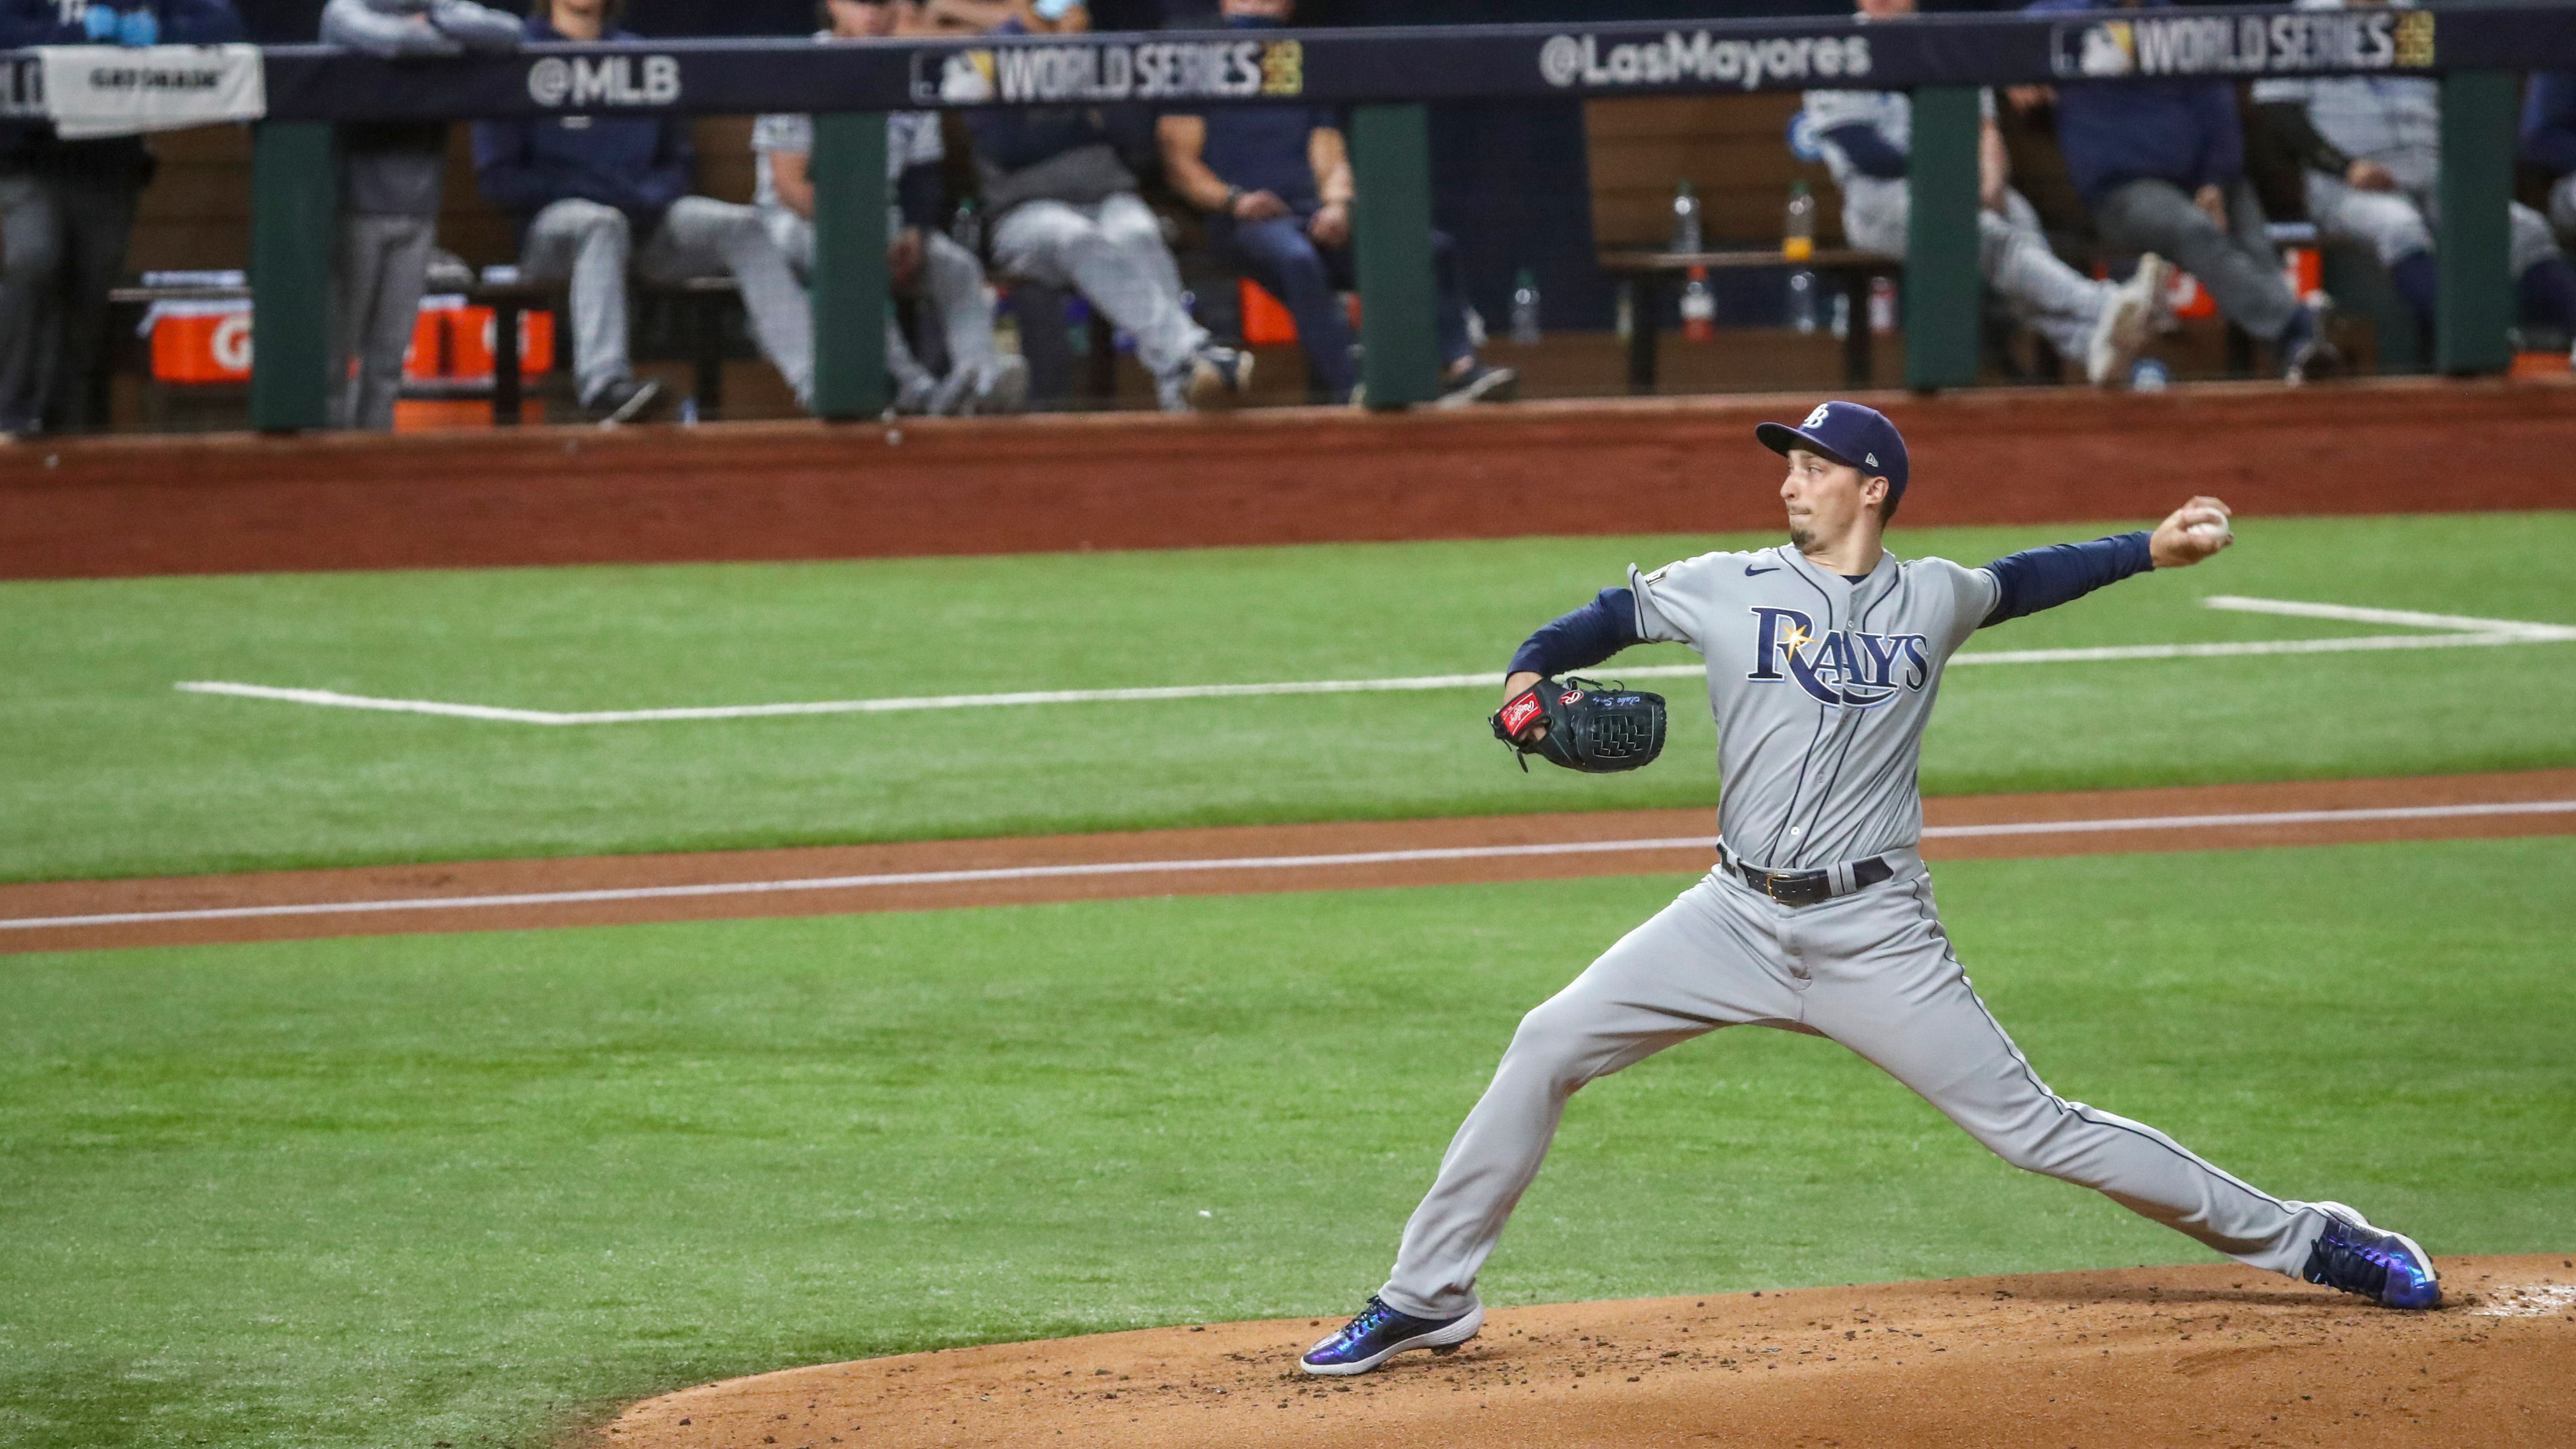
x=2138, y=1358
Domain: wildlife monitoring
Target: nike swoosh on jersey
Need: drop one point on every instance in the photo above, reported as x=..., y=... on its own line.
x=1750, y=571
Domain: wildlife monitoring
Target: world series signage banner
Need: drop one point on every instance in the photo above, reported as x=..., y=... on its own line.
x=1397, y=64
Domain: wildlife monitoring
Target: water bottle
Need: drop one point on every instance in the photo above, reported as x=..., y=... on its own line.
x=1882, y=306
x=1842, y=315
x=1802, y=300
x=966, y=227
x=1525, y=308
x=1699, y=307
x=1798, y=236
x=1687, y=237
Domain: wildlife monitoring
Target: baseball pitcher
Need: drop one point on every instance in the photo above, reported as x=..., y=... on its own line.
x=1824, y=656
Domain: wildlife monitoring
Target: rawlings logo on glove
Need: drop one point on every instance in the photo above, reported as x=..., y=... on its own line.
x=1582, y=725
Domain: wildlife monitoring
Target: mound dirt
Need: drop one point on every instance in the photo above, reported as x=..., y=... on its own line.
x=2138, y=1358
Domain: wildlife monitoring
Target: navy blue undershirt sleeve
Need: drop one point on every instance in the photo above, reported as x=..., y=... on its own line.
x=2043, y=578
x=1583, y=638
x=1868, y=150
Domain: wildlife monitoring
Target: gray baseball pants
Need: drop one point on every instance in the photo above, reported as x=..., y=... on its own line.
x=1872, y=970
x=2562, y=207
x=951, y=286
x=384, y=261
x=591, y=246
x=2397, y=224
x=2061, y=303
x=1113, y=253
x=2238, y=264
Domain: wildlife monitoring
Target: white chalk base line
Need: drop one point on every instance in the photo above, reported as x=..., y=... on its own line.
x=1699, y=843
x=2465, y=632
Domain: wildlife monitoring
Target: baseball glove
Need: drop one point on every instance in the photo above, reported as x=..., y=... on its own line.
x=1582, y=725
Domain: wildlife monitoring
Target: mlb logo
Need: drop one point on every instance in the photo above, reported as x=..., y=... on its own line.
x=2093, y=52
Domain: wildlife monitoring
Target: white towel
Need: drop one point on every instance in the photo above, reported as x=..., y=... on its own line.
x=109, y=90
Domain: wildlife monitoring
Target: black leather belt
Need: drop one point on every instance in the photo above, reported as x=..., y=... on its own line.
x=1808, y=887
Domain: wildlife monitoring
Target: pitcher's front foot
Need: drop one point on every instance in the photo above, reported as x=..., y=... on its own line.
x=2385, y=1267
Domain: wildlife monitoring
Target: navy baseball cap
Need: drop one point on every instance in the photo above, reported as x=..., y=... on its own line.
x=1852, y=435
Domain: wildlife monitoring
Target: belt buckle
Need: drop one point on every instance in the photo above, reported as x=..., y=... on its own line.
x=1799, y=894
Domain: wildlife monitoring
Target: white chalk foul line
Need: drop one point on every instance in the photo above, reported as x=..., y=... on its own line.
x=1250, y=862
x=2467, y=632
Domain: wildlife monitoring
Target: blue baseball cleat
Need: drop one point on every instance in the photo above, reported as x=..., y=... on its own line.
x=2385, y=1267
x=1379, y=1332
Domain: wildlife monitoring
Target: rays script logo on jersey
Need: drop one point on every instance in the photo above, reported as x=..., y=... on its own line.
x=1844, y=666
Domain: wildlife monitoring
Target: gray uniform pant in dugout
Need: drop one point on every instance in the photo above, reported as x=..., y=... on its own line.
x=1872, y=970
x=590, y=246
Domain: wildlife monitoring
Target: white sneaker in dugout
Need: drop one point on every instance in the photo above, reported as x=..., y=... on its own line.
x=1002, y=386
x=2126, y=317
x=1218, y=377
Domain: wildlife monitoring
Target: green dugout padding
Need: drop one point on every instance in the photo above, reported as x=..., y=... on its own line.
x=2472, y=254
x=1391, y=229
x=1941, y=278
x=850, y=277
x=294, y=225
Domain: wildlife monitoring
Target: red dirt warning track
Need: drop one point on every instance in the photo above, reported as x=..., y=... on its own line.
x=2143, y=1358
x=805, y=491
x=424, y=898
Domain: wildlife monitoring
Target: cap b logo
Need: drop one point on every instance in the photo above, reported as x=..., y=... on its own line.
x=1817, y=416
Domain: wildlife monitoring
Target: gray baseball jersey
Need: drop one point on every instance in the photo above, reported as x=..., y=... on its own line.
x=1821, y=688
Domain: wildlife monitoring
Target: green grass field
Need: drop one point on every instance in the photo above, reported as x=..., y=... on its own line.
x=475, y=1188
x=111, y=772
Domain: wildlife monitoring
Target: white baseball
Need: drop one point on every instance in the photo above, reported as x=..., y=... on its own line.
x=2211, y=526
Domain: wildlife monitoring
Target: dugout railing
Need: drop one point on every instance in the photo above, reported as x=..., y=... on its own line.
x=1386, y=76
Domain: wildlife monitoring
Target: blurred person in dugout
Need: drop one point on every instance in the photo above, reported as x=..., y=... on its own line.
x=1866, y=138
x=2370, y=153
x=596, y=194
x=1275, y=182
x=1065, y=214
x=2161, y=166
x=2549, y=142
x=944, y=280
x=67, y=212
x=392, y=179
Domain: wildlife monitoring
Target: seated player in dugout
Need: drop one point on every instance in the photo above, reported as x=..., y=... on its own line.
x=1275, y=182
x=943, y=280
x=1867, y=139
x=596, y=195
x=2549, y=142
x=2370, y=152
x=2161, y=166
x=1065, y=214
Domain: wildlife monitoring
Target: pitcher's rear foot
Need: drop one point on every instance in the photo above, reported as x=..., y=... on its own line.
x=2386, y=1267
x=1379, y=1332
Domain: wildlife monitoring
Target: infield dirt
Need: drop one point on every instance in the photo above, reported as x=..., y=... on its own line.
x=2140, y=1358
x=943, y=874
